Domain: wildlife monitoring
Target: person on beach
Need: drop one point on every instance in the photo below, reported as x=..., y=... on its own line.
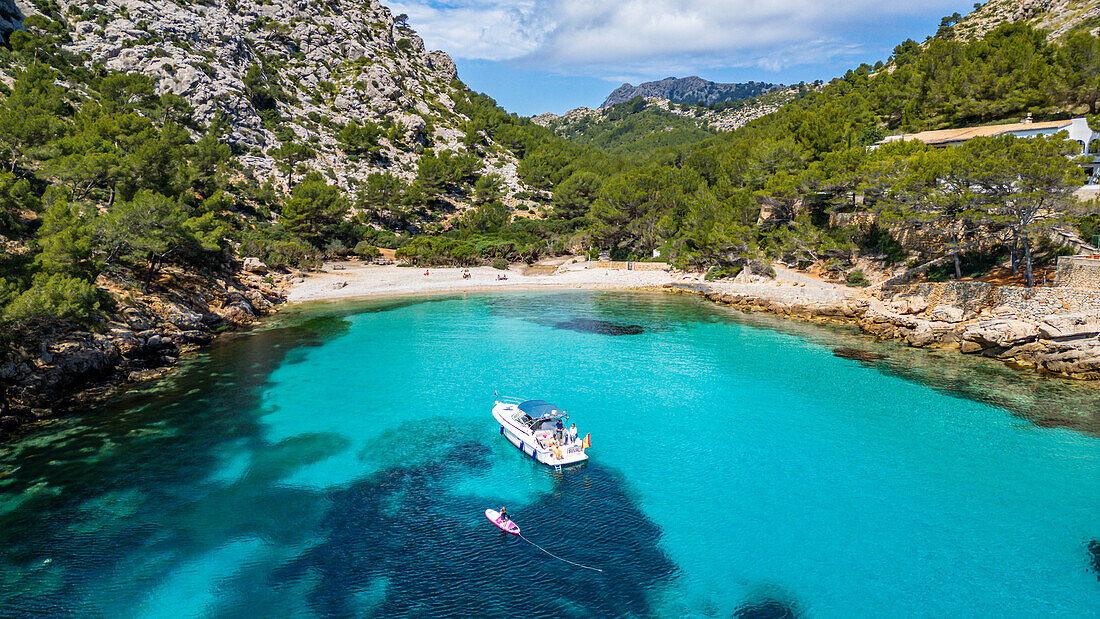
x=425, y=273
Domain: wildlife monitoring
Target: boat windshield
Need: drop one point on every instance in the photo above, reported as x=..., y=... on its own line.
x=547, y=424
x=540, y=415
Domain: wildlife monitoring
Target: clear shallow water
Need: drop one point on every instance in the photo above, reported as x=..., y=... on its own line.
x=340, y=464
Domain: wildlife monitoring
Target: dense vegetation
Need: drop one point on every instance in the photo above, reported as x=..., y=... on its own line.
x=767, y=190
x=107, y=179
x=633, y=132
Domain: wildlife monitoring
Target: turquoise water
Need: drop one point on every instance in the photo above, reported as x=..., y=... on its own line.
x=339, y=462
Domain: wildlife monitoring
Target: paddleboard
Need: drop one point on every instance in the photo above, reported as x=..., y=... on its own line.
x=505, y=525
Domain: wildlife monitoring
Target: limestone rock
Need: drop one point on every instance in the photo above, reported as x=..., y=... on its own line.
x=912, y=305
x=253, y=265
x=340, y=61
x=186, y=319
x=946, y=313
x=689, y=90
x=12, y=14
x=1081, y=359
x=923, y=335
x=1057, y=326
x=1004, y=333
x=137, y=319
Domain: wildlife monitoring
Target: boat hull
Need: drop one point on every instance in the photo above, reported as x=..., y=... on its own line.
x=512, y=430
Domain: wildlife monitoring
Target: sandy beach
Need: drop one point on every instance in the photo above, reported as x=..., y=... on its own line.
x=349, y=280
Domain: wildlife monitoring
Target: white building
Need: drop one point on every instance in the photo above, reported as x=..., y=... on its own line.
x=1077, y=128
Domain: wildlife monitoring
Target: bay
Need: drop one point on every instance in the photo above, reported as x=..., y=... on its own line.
x=338, y=461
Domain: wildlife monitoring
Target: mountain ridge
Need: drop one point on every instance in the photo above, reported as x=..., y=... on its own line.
x=691, y=90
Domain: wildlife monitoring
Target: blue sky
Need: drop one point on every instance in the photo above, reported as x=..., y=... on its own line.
x=552, y=56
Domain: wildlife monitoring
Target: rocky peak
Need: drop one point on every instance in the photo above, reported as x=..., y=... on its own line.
x=352, y=50
x=689, y=90
x=324, y=63
x=1057, y=16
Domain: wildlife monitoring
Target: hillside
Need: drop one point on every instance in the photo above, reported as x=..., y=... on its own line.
x=282, y=74
x=689, y=90
x=165, y=168
x=724, y=116
x=1057, y=17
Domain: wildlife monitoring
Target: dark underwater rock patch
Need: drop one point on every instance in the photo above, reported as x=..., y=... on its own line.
x=439, y=557
x=599, y=327
x=1094, y=556
x=765, y=609
x=845, y=352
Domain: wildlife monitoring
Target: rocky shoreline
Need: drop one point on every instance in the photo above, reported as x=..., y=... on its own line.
x=148, y=332
x=143, y=339
x=970, y=317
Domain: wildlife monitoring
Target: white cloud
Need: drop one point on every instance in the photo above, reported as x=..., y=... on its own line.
x=600, y=37
x=478, y=29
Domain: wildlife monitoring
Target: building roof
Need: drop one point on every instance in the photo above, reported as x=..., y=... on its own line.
x=950, y=136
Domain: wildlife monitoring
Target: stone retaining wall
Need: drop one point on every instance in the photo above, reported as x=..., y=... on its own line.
x=1078, y=272
x=632, y=266
x=973, y=297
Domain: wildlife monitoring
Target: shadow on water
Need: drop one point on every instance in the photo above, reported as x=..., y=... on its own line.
x=79, y=495
x=1043, y=400
x=401, y=544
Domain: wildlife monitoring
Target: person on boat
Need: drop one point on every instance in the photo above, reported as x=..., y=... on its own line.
x=503, y=513
x=559, y=428
x=573, y=433
x=555, y=448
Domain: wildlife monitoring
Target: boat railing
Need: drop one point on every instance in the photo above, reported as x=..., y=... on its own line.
x=510, y=400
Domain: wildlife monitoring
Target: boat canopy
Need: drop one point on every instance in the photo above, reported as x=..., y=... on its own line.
x=539, y=408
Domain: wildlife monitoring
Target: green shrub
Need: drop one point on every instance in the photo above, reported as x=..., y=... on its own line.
x=366, y=250
x=280, y=253
x=722, y=273
x=500, y=263
x=855, y=278
x=54, y=299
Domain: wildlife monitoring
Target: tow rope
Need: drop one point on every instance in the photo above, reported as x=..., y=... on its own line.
x=594, y=569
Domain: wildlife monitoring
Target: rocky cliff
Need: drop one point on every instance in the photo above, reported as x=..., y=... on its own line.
x=1057, y=16
x=11, y=16
x=284, y=71
x=143, y=339
x=689, y=90
x=272, y=74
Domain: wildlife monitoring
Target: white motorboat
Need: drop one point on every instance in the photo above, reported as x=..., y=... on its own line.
x=532, y=426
